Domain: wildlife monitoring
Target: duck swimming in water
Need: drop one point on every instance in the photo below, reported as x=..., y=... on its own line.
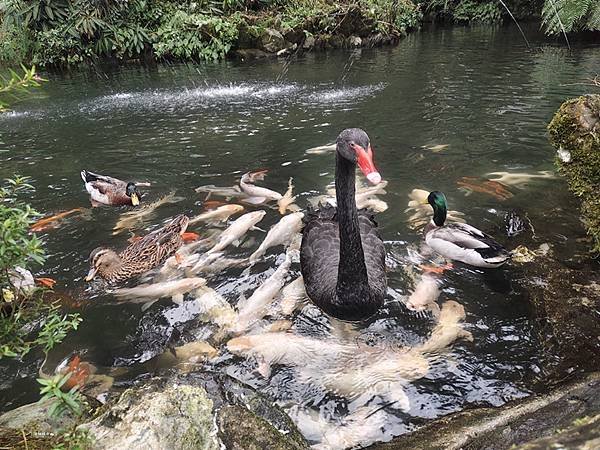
x=140, y=256
x=342, y=257
x=110, y=191
x=460, y=241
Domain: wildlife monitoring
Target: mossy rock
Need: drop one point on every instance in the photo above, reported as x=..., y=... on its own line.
x=575, y=128
x=241, y=429
x=169, y=416
x=521, y=424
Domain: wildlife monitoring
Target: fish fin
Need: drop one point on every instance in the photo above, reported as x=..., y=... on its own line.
x=264, y=368
x=397, y=395
x=146, y=306
x=177, y=299
x=255, y=228
x=241, y=301
x=465, y=335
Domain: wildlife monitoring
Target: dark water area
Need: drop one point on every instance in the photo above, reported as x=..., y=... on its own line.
x=478, y=90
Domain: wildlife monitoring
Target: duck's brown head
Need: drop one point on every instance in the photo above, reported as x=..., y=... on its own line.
x=104, y=262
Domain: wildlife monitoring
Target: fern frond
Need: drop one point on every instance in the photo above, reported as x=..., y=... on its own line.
x=570, y=15
x=593, y=21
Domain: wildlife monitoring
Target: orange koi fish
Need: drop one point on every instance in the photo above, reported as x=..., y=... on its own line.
x=50, y=222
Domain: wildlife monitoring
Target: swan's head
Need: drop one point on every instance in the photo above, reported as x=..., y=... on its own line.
x=132, y=192
x=354, y=145
x=102, y=260
x=437, y=200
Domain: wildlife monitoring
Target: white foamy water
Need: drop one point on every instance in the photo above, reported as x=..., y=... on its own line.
x=8, y=115
x=226, y=94
x=345, y=94
x=187, y=97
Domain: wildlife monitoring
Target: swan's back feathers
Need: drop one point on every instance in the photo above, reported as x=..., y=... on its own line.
x=319, y=260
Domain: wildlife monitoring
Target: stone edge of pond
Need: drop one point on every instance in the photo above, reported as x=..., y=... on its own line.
x=192, y=411
x=575, y=132
x=569, y=413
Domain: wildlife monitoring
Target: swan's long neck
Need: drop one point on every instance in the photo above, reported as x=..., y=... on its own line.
x=352, y=272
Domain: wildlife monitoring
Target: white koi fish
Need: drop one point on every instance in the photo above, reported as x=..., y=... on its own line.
x=237, y=229
x=282, y=233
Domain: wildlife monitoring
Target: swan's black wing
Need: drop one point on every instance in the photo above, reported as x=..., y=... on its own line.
x=374, y=251
x=320, y=254
x=319, y=260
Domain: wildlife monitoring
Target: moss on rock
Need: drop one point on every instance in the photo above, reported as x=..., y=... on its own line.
x=174, y=417
x=241, y=429
x=575, y=129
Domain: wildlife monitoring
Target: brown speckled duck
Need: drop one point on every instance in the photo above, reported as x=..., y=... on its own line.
x=139, y=257
x=110, y=191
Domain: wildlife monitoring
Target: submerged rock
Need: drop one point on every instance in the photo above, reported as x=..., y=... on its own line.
x=574, y=131
x=566, y=303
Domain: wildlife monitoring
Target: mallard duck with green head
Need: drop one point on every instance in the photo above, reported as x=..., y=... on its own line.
x=460, y=241
x=107, y=190
x=141, y=256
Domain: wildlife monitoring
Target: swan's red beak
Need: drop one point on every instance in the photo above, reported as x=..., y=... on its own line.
x=366, y=164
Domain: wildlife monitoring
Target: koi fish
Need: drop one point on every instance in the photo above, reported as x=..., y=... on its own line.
x=148, y=293
x=255, y=307
x=220, y=214
x=257, y=194
x=50, y=222
x=237, y=229
x=493, y=188
x=129, y=219
x=190, y=236
x=519, y=179
x=281, y=233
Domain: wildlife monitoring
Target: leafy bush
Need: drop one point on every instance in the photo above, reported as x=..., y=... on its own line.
x=70, y=400
x=196, y=36
x=481, y=11
x=393, y=15
x=473, y=11
x=571, y=15
x=11, y=88
x=26, y=320
x=72, y=31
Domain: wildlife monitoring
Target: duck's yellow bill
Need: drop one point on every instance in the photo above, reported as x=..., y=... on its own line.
x=135, y=200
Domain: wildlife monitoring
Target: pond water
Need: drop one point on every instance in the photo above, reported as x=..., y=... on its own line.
x=477, y=93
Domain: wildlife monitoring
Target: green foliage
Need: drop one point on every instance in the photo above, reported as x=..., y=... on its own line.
x=15, y=43
x=71, y=400
x=12, y=89
x=17, y=247
x=72, y=31
x=565, y=16
x=481, y=12
x=76, y=439
x=196, y=36
x=26, y=320
x=392, y=16
x=571, y=129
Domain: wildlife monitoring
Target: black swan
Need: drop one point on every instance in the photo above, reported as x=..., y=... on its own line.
x=342, y=257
